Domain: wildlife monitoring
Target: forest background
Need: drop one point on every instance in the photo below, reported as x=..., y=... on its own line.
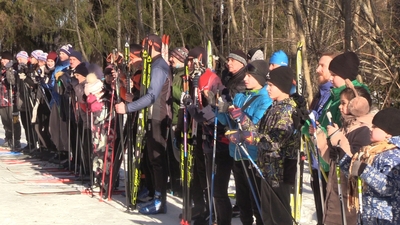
x=95, y=27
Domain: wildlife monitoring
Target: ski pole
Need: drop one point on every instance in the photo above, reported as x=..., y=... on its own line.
x=321, y=189
x=360, y=201
x=343, y=212
x=210, y=221
x=262, y=176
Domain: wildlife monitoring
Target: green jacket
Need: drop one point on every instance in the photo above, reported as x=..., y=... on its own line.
x=332, y=105
x=177, y=89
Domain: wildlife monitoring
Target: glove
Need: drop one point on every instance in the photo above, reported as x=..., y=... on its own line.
x=10, y=76
x=238, y=136
x=334, y=151
x=210, y=98
x=22, y=76
x=223, y=104
x=185, y=100
x=235, y=113
x=357, y=168
x=196, y=77
x=59, y=74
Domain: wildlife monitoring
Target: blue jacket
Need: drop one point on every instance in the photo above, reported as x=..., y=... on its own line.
x=254, y=112
x=381, y=186
x=55, y=98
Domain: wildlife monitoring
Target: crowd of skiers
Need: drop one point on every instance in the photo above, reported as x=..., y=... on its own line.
x=246, y=119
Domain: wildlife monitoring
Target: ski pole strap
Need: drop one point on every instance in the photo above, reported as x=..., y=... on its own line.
x=247, y=104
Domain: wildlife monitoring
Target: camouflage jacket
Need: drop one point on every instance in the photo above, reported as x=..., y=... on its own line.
x=381, y=182
x=278, y=142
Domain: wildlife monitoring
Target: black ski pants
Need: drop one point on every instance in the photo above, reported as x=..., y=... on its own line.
x=223, y=167
x=6, y=119
x=244, y=197
x=275, y=203
x=317, y=195
x=156, y=148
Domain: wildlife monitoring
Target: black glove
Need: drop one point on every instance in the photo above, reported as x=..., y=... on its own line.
x=187, y=100
x=196, y=77
x=10, y=76
x=210, y=98
x=334, y=151
x=223, y=104
x=357, y=168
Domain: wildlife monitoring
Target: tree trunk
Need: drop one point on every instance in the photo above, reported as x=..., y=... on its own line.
x=232, y=13
x=347, y=25
x=78, y=32
x=153, y=28
x=161, y=13
x=139, y=21
x=119, y=29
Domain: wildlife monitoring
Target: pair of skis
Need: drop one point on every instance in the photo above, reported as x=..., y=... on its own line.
x=186, y=156
x=141, y=123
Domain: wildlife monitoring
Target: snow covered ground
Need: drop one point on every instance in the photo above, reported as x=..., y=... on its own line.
x=21, y=176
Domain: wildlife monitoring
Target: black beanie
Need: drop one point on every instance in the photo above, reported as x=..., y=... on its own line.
x=136, y=49
x=6, y=55
x=388, y=120
x=154, y=40
x=239, y=56
x=345, y=65
x=81, y=69
x=195, y=53
x=258, y=69
x=281, y=77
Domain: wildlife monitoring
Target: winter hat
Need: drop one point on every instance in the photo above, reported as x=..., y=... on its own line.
x=238, y=56
x=180, y=53
x=76, y=54
x=259, y=70
x=52, y=55
x=136, y=49
x=93, y=85
x=155, y=40
x=359, y=105
x=279, y=58
x=96, y=69
x=36, y=54
x=345, y=65
x=6, y=55
x=210, y=81
x=196, y=52
x=281, y=77
x=22, y=54
x=66, y=49
x=81, y=69
x=388, y=120
x=43, y=56
x=107, y=70
x=255, y=54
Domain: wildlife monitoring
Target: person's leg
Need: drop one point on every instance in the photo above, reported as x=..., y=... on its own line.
x=276, y=203
x=6, y=121
x=223, y=205
x=317, y=195
x=243, y=192
x=156, y=144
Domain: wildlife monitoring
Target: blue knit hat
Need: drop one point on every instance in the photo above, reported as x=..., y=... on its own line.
x=279, y=58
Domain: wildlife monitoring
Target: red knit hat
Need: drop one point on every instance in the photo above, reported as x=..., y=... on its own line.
x=210, y=81
x=52, y=55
